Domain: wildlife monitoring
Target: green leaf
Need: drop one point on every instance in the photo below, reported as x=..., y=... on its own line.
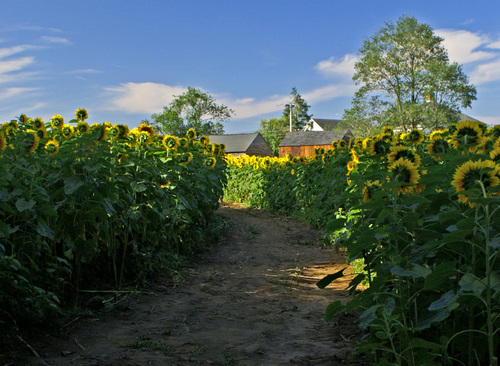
x=385, y=213
x=415, y=271
x=422, y=343
x=45, y=231
x=495, y=243
x=355, y=282
x=440, y=276
x=368, y=316
x=335, y=224
x=446, y=299
x=138, y=186
x=71, y=184
x=330, y=278
x=333, y=308
x=436, y=316
x=23, y=205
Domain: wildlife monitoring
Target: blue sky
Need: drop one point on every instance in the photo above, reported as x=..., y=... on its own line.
x=125, y=60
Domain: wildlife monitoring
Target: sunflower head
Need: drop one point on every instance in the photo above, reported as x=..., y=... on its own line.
x=31, y=140
x=144, y=127
x=204, y=140
x=81, y=114
x=495, y=155
x=474, y=174
x=466, y=133
x=438, y=146
x=186, y=158
x=23, y=119
x=388, y=131
x=99, y=132
x=379, y=147
x=113, y=132
x=38, y=123
x=124, y=131
x=191, y=134
x=57, y=121
x=398, y=152
x=183, y=142
x=415, y=137
x=405, y=173
x=82, y=128
x=367, y=143
x=52, y=147
x=341, y=144
x=437, y=134
x=370, y=188
x=170, y=142
x=68, y=131
x=210, y=161
x=3, y=141
x=494, y=132
x=41, y=133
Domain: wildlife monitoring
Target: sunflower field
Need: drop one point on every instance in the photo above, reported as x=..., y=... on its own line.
x=421, y=213
x=93, y=207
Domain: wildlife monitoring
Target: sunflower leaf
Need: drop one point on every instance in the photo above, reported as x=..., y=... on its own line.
x=23, y=205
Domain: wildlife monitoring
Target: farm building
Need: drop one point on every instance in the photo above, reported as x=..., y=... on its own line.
x=244, y=144
x=322, y=124
x=303, y=143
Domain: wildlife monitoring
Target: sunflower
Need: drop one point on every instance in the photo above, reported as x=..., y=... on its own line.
x=10, y=131
x=113, y=132
x=186, y=158
x=354, y=156
x=404, y=172
x=379, y=147
x=388, y=131
x=319, y=151
x=32, y=140
x=38, y=123
x=210, y=161
x=183, y=142
x=191, y=134
x=437, y=134
x=415, y=137
x=370, y=188
x=367, y=142
x=23, y=119
x=472, y=174
x=52, y=147
x=68, y=131
x=205, y=140
x=3, y=141
x=57, y=121
x=398, y=152
x=209, y=148
x=350, y=166
x=495, y=155
x=144, y=137
x=358, y=142
x=467, y=132
x=82, y=128
x=485, y=145
x=437, y=145
x=341, y=144
x=494, y=131
x=42, y=132
x=100, y=132
x=144, y=127
x=124, y=131
x=170, y=142
x=81, y=114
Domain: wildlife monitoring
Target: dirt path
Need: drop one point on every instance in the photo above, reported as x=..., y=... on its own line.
x=249, y=300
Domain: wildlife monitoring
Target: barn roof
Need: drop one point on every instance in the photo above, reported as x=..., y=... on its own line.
x=235, y=142
x=327, y=124
x=310, y=138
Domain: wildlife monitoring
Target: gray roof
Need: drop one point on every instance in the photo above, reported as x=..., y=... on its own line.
x=464, y=117
x=234, y=142
x=310, y=138
x=327, y=124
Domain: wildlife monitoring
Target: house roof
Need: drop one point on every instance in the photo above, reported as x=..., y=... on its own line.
x=464, y=117
x=327, y=124
x=310, y=138
x=234, y=142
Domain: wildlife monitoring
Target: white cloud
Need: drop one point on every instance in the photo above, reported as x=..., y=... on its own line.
x=249, y=107
x=463, y=46
x=494, y=45
x=58, y=40
x=84, y=71
x=141, y=97
x=329, y=92
x=343, y=67
x=4, y=52
x=486, y=72
x=12, y=92
x=15, y=64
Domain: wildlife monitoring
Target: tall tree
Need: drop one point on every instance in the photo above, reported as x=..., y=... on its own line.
x=406, y=68
x=192, y=109
x=300, y=110
x=273, y=131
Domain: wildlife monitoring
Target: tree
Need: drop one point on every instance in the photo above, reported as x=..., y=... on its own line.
x=273, y=131
x=192, y=109
x=300, y=116
x=406, y=69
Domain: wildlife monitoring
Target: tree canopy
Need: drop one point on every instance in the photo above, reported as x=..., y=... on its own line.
x=273, y=131
x=406, y=80
x=192, y=109
x=300, y=116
